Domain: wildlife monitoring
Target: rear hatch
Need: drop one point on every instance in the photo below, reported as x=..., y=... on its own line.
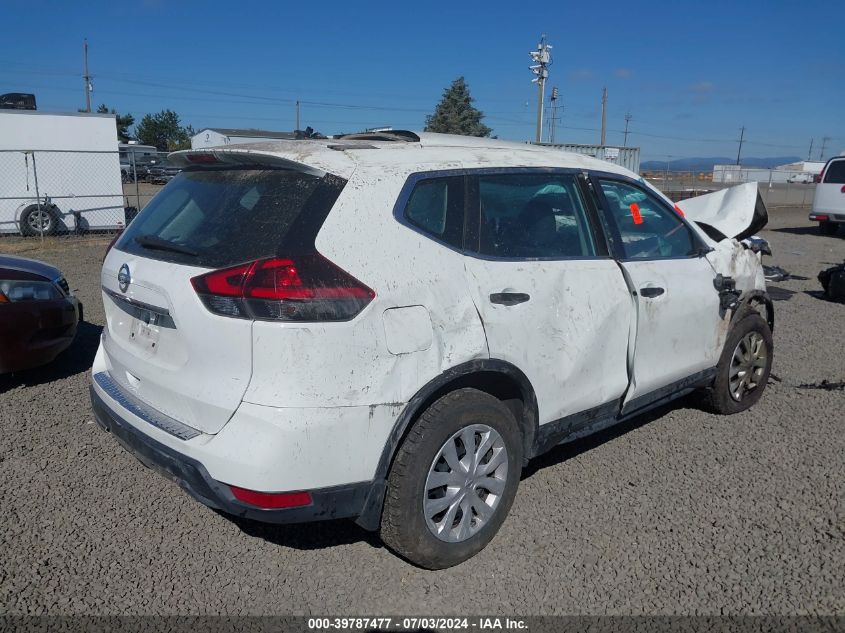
x=829, y=198
x=162, y=341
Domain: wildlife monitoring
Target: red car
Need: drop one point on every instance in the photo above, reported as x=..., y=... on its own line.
x=38, y=313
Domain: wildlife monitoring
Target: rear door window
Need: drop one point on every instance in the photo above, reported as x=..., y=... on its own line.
x=219, y=217
x=835, y=173
x=526, y=215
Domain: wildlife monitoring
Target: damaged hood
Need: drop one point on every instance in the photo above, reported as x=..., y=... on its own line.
x=738, y=212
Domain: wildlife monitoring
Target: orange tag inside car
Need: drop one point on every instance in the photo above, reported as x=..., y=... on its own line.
x=678, y=209
x=635, y=213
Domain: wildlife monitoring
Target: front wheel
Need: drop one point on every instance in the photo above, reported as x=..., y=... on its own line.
x=744, y=367
x=453, y=480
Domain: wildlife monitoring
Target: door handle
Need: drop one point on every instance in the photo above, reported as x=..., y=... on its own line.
x=509, y=298
x=650, y=292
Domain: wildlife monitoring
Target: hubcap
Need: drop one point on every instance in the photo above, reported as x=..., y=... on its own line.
x=465, y=483
x=747, y=365
x=39, y=220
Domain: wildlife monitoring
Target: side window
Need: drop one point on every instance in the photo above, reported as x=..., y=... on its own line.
x=533, y=215
x=648, y=228
x=436, y=207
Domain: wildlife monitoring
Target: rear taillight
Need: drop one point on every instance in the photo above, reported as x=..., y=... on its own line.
x=304, y=288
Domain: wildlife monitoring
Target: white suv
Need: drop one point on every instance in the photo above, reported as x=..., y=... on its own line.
x=388, y=327
x=829, y=198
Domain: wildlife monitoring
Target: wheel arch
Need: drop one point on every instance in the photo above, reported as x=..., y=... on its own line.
x=751, y=301
x=499, y=378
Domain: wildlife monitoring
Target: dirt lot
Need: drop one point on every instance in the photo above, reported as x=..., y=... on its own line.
x=680, y=512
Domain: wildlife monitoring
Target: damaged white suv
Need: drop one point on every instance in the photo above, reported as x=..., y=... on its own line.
x=388, y=327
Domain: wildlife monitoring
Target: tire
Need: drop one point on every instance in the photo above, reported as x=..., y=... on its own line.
x=465, y=525
x=828, y=228
x=749, y=345
x=29, y=223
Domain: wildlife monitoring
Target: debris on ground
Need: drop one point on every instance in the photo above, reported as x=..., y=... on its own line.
x=833, y=282
x=825, y=385
x=775, y=273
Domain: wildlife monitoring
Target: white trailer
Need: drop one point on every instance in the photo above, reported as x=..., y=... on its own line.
x=59, y=172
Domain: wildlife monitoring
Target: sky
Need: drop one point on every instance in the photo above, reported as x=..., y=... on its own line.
x=690, y=74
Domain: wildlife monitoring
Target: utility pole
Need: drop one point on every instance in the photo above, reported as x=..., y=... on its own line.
x=553, y=122
x=810, y=151
x=741, y=137
x=297, y=114
x=89, y=88
x=825, y=139
x=628, y=118
x=544, y=59
x=603, y=115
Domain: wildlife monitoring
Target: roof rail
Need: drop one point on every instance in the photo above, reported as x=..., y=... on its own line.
x=388, y=135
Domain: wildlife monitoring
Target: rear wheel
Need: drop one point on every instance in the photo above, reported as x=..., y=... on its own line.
x=453, y=480
x=37, y=220
x=744, y=367
x=828, y=228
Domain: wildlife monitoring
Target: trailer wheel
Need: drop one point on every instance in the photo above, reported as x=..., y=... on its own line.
x=35, y=221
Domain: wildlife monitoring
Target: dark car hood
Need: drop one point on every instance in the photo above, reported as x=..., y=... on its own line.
x=30, y=266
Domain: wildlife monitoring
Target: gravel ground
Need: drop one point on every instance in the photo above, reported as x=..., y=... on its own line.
x=681, y=512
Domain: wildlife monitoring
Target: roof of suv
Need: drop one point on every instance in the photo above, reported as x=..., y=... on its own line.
x=435, y=151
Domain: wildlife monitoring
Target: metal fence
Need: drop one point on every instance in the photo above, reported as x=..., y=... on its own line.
x=47, y=193
x=781, y=190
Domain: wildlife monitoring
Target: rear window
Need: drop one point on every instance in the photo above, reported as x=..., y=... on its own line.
x=219, y=217
x=835, y=173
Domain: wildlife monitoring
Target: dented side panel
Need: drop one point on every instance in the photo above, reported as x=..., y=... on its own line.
x=680, y=330
x=570, y=338
x=361, y=363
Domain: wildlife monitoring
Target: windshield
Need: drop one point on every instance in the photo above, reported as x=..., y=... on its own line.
x=219, y=217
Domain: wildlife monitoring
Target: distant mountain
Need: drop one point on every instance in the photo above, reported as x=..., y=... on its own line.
x=706, y=164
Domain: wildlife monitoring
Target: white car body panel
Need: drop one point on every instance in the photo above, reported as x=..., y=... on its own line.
x=271, y=449
x=180, y=375
x=570, y=338
x=679, y=332
x=730, y=211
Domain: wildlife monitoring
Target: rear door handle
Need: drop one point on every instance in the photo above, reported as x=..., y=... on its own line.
x=650, y=292
x=509, y=298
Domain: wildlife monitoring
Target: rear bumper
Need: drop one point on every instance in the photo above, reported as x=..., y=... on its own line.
x=327, y=503
x=821, y=216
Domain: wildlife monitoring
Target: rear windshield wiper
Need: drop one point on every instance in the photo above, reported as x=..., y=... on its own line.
x=157, y=243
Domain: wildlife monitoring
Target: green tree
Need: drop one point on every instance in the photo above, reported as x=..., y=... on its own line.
x=455, y=113
x=165, y=131
x=123, y=121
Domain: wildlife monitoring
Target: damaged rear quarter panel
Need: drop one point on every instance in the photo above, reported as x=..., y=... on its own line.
x=351, y=364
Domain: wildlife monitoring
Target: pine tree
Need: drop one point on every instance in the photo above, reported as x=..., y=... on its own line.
x=123, y=122
x=455, y=113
